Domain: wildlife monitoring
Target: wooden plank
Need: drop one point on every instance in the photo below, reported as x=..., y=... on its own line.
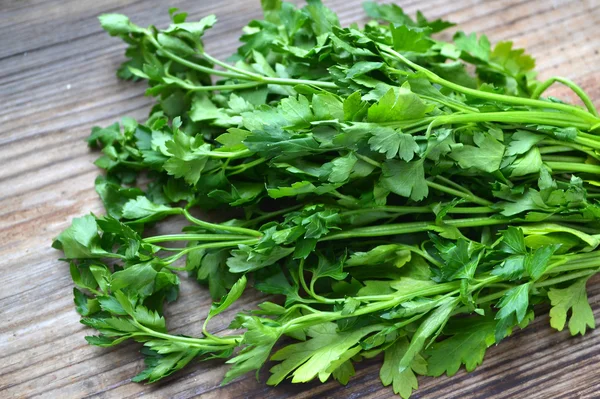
x=57, y=81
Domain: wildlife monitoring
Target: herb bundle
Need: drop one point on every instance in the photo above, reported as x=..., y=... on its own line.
x=392, y=202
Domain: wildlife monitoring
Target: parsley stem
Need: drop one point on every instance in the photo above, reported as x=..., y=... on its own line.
x=565, y=147
x=237, y=169
x=543, y=118
x=490, y=96
x=195, y=237
x=293, y=82
x=368, y=160
x=318, y=318
x=563, y=158
x=573, y=167
x=562, y=279
x=451, y=183
x=225, y=87
x=416, y=227
x=418, y=209
x=270, y=215
x=221, y=227
x=225, y=244
x=461, y=194
x=231, y=155
x=311, y=290
x=468, y=196
x=203, y=343
x=189, y=64
x=572, y=85
x=230, y=67
x=233, y=72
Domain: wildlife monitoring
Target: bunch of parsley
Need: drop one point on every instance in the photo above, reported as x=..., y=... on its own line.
x=369, y=183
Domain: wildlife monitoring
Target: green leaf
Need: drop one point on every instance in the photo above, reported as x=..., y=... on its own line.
x=233, y=295
x=478, y=49
x=159, y=366
x=141, y=207
x=515, y=300
x=530, y=163
x=355, y=109
x=342, y=168
x=327, y=268
x=305, y=360
x=487, y=156
x=362, y=67
x=537, y=264
x=81, y=240
x=436, y=26
x=137, y=278
x=512, y=268
x=84, y=305
x=514, y=61
x=467, y=345
x=414, y=39
x=406, y=179
x=428, y=327
x=387, y=12
x=391, y=253
x=114, y=196
x=118, y=24
x=195, y=28
x=397, y=105
x=393, y=142
x=405, y=381
x=513, y=241
x=573, y=298
x=245, y=260
x=522, y=141
x=327, y=106
x=296, y=111
x=298, y=188
x=460, y=260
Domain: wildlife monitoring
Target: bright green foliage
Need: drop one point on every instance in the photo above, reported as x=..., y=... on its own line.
x=394, y=203
x=573, y=299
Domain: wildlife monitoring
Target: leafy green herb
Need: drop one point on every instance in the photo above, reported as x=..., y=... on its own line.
x=362, y=175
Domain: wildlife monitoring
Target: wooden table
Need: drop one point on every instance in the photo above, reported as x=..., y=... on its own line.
x=57, y=80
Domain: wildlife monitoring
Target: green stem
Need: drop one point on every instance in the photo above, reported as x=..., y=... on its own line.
x=234, y=72
x=231, y=67
x=226, y=87
x=270, y=215
x=416, y=227
x=302, y=321
x=572, y=85
x=191, y=65
x=221, y=227
x=487, y=95
x=562, y=279
x=451, y=183
x=195, y=342
x=225, y=244
x=230, y=155
x=542, y=118
x=411, y=227
x=419, y=209
x=573, y=167
x=563, y=158
x=237, y=169
x=587, y=142
x=195, y=237
x=554, y=149
x=461, y=194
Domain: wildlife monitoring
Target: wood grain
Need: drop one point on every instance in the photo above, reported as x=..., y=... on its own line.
x=57, y=81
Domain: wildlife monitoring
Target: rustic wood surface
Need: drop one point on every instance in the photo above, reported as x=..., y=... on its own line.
x=57, y=81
